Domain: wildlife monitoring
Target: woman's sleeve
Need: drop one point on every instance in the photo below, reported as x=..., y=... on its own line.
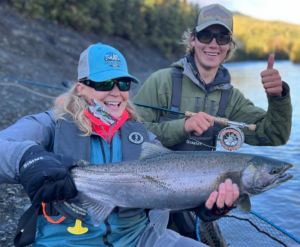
x=153, y=139
x=15, y=140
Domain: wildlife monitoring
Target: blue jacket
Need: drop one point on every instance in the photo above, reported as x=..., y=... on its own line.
x=122, y=228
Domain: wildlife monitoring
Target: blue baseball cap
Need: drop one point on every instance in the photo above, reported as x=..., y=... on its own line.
x=102, y=62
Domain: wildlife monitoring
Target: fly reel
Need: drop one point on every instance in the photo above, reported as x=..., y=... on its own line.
x=231, y=138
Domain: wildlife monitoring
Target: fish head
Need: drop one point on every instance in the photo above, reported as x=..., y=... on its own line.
x=263, y=173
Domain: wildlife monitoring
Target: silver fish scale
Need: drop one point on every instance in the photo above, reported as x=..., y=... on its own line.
x=176, y=180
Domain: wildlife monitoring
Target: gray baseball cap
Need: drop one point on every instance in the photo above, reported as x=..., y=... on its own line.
x=214, y=14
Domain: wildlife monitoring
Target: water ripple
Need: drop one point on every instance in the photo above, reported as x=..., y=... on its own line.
x=280, y=205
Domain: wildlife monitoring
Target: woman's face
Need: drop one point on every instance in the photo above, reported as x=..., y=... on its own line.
x=113, y=101
x=210, y=56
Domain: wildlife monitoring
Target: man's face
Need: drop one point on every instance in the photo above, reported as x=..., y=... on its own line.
x=210, y=56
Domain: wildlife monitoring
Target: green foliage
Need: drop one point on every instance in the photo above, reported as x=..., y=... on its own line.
x=80, y=15
x=157, y=23
x=295, y=52
x=161, y=23
x=259, y=38
x=167, y=20
x=128, y=19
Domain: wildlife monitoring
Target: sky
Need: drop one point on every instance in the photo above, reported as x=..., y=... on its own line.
x=269, y=10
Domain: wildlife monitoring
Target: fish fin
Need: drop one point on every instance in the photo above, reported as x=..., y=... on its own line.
x=98, y=211
x=244, y=203
x=160, y=219
x=150, y=149
x=82, y=163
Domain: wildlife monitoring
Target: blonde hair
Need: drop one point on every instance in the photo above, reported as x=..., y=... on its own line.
x=74, y=104
x=189, y=35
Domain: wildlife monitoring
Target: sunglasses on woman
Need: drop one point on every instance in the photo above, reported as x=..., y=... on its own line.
x=206, y=37
x=123, y=84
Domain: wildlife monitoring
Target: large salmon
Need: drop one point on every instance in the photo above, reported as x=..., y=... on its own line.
x=164, y=180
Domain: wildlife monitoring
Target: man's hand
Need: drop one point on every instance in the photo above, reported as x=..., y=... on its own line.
x=199, y=123
x=271, y=79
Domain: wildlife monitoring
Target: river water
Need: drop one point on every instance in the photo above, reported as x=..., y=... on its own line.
x=280, y=205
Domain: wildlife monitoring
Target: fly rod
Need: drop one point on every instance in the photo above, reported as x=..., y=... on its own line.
x=222, y=121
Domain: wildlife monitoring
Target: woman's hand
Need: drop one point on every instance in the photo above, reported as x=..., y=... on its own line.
x=227, y=194
x=45, y=176
x=219, y=202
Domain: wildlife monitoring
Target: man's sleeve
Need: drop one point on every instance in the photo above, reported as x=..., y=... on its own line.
x=273, y=126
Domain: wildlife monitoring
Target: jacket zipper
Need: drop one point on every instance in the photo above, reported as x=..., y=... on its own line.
x=205, y=104
x=107, y=225
x=197, y=104
x=206, y=95
x=111, y=151
x=102, y=149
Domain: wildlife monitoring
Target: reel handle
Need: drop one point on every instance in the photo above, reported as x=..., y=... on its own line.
x=225, y=121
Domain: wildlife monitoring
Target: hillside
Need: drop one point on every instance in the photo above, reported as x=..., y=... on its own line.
x=40, y=51
x=160, y=23
x=257, y=39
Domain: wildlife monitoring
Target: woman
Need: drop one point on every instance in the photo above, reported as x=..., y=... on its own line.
x=91, y=122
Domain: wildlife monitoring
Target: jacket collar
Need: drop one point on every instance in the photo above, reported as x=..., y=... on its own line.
x=221, y=81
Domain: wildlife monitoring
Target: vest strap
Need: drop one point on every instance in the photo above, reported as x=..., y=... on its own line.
x=223, y=103
x=26, y=228
x=176, y=92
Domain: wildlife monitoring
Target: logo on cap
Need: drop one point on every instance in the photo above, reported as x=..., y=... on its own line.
x=112, y=59
x=216, y=11
x=136, y=137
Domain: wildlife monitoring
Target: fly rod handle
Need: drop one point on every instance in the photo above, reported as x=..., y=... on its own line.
x=223, y=121
x=252, y=127
x=189, y=114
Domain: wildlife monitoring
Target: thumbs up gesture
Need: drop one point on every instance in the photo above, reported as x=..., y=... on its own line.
x=271, y=79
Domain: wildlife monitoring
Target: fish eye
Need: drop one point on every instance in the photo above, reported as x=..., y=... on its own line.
x=275, y=171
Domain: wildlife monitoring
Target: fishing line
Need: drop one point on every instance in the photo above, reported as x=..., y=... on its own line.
x=33, y=83
x=202, y=143
x=27, y=89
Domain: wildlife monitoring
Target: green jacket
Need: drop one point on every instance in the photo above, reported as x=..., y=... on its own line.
x=273, y=126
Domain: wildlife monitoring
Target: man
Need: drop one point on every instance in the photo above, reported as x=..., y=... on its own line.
x=199, y=83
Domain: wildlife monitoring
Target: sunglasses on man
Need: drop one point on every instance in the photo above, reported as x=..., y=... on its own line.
x=122, y=83
x=206, y=37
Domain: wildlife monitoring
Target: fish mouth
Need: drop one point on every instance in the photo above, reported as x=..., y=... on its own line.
x=279, y=179
x=282, y=176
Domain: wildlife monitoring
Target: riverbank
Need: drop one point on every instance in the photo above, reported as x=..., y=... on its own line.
x=40, y=51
